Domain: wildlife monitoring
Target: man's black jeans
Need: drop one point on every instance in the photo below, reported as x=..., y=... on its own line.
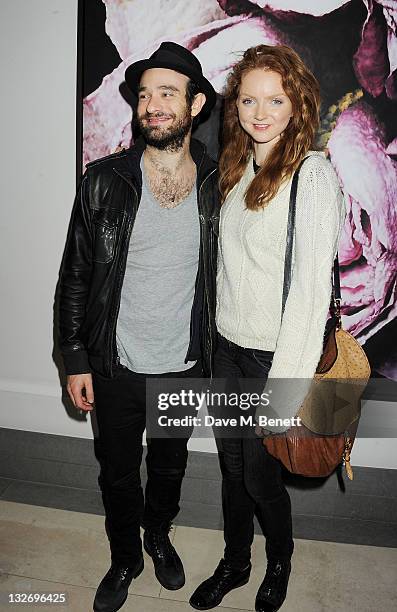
x=252, y=479
x=120, y=404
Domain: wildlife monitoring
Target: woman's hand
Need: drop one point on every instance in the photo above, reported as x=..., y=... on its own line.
x=261, y=432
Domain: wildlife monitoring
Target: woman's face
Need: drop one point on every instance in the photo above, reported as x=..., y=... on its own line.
x=264, y=109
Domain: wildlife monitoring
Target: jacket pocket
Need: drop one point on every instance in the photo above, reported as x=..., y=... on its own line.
x=105, y=226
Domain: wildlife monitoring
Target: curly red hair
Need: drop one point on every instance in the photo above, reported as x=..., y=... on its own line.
x=303, y=90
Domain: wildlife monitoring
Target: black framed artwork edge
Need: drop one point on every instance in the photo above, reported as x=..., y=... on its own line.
x=79, y=90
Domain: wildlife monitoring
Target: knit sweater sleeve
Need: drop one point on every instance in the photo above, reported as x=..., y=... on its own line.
x=320, y=213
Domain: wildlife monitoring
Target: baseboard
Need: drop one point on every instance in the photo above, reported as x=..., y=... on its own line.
x=61, y=472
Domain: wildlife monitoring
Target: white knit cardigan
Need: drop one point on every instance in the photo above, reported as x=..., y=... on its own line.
x=251, y=269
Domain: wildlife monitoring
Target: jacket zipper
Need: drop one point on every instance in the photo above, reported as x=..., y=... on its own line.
x=198, y=276
x=116, y=301
x=202, y=221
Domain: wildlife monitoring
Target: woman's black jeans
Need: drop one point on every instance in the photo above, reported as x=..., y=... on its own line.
x=252, y=481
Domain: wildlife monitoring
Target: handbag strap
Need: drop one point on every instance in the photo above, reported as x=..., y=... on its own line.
x=336, y=295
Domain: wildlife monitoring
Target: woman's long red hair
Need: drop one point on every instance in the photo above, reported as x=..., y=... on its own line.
x=303, y=90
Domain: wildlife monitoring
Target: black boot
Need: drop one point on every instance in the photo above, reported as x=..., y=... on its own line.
x=167, y=564
x=273, y=590
x=113, y=589
x=211, y=592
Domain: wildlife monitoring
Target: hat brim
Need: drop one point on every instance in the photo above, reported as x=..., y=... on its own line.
x=134, y=72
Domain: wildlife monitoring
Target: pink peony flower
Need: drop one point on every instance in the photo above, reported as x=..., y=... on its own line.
x=368, y=246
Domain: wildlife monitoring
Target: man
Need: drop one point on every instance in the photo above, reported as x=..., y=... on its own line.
x=137, y=289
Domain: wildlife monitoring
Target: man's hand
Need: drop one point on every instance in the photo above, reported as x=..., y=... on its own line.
x=80, y=390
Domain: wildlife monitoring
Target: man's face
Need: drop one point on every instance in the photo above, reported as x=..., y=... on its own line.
x=164, y=117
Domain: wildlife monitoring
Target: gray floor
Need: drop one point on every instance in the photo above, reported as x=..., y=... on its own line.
x=60, y=551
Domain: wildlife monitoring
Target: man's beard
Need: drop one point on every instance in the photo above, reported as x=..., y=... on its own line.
x=168, y=139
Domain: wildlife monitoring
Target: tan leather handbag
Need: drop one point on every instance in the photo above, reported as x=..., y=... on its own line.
x=331, y=410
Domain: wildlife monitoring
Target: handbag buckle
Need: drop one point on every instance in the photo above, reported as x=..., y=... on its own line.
x=346, y=457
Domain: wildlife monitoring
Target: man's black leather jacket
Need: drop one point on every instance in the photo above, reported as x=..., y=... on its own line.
x=94, y=260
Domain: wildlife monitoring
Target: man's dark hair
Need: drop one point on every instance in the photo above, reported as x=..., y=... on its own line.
x=192, y=90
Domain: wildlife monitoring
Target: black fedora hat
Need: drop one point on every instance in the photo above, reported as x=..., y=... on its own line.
x=174, y=57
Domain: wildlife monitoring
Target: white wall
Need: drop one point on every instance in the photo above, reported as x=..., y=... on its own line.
x=38, y=43
x=38, y=70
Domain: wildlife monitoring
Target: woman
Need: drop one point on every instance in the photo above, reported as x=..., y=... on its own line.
x=271, y=116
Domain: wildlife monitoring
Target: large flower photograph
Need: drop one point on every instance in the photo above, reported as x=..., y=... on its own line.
x=351, y=47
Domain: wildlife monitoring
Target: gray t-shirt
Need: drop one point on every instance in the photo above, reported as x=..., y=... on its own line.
x=153, y=327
